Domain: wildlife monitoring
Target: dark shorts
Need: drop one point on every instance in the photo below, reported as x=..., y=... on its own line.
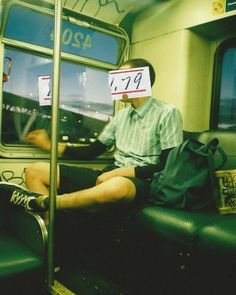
x=74, y=178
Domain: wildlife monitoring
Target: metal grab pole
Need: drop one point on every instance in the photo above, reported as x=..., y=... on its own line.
x=54, y=135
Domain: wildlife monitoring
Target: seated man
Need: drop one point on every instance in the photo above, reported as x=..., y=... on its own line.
x=143, y=134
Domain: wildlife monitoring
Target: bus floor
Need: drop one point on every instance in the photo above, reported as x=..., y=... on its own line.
x=96, y=255
x=82, y=281
x=88, y=254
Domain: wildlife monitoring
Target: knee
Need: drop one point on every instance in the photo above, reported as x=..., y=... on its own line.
x=122, y=190
x=34, y=171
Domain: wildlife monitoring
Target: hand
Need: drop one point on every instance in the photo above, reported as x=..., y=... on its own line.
x=105, y=176
x=39, y=138
x=124, y=171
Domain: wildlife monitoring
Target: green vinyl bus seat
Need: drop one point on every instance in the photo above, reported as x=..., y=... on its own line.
x=23, y=239
x=198, y=248
x=154, y=249
x=183, y=226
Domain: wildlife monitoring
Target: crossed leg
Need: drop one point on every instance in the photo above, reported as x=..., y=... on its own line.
x=37, y=177
x=113, y=192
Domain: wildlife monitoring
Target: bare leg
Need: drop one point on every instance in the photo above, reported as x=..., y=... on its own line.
x=37, y=177
x=113, y=192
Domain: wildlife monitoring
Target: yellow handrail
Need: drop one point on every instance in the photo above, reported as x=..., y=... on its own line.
x=54, y=135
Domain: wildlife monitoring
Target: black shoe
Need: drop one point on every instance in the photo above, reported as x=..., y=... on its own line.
x=13, y=194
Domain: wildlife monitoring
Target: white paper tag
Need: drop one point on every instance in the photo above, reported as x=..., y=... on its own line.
x=44, y=90
x=134, y=82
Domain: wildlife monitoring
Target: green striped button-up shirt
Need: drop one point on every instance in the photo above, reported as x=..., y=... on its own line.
x=140, y=134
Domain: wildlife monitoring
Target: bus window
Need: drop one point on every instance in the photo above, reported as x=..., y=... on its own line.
x=223, y=114
x=36, y=28
x=85, y=102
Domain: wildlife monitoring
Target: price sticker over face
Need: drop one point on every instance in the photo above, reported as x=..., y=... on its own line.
x=134, y=82
x=44, y=90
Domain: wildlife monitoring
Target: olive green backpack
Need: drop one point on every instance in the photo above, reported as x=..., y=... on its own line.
x=188, y=179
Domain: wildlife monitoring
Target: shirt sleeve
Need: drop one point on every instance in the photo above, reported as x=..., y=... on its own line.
x=108, y=135
x=171, y=129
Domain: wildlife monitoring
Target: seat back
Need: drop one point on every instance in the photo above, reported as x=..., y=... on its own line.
x=227, y=140
x=29, y=228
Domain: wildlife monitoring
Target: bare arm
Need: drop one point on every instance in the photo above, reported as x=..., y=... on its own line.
x=40, y=138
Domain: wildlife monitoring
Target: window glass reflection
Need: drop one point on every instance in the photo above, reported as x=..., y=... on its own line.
x=227, y=108
x=85, y=103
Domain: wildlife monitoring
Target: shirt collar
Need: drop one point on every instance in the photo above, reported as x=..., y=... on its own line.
x=141, y=110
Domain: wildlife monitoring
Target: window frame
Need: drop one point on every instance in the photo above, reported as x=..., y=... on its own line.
x=27, y=151
x=216, y=83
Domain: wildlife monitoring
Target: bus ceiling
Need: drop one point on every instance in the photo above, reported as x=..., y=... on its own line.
x=112, y=12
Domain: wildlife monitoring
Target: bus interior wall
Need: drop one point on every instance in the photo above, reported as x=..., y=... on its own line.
x=181, y=44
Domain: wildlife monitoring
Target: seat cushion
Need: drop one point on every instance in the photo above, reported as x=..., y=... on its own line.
x=172, y=224
x=15, y=258
x=218, y=236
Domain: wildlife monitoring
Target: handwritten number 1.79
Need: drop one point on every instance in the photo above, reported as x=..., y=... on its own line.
x=137, y=80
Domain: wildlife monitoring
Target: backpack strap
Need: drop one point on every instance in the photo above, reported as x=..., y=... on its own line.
x=212, y=147
x=212, y=177
x=223, y=157
x=212, y=143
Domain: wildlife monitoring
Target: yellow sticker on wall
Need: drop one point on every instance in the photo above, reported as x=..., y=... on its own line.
x=218, y=7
